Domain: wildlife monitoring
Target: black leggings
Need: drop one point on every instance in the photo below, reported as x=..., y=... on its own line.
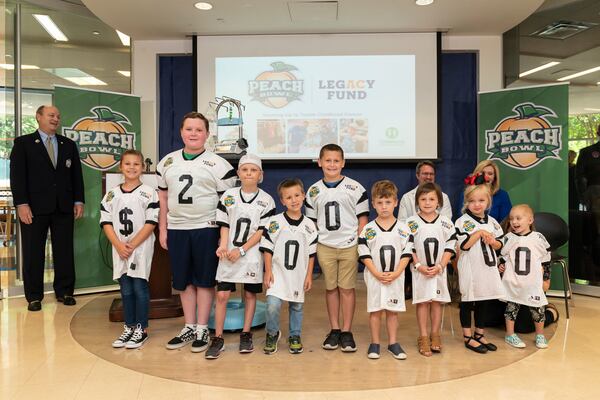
x=478, y=307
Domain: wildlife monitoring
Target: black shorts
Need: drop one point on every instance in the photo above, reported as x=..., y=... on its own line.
x=193, y=257
x=248, y=287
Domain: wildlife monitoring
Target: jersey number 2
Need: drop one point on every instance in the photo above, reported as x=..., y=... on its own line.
x=185, y=200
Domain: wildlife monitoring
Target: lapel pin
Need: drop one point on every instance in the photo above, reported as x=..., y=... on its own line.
x=68, y=163
x=37, y=140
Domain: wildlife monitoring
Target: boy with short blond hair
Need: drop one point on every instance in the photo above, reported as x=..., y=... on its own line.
x=385, y=249
x=340, y=207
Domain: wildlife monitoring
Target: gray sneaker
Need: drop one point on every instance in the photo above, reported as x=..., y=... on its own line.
x=201, y=342
x=246, y=345
x=217, y=346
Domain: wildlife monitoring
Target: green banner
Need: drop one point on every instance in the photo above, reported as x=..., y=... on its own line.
x=104, y=125
x=524, y=130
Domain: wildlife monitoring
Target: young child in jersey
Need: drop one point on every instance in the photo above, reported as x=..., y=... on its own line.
x=433, y=240
x=478, y=275
x=242, y=214
x=289, y=245
x=526, y=253
x=340, y=207
x=128, y=215
x=383, y=246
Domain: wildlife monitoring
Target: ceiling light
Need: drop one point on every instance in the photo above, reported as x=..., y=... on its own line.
x=76, y=76
x=592, y=109
x=85, y=81
x=50, y=27
x=203, y=6
x=423, y=2
x=541, y=67
x=124, y=38
x=587, y=71
x=12, y=66
x=95, y=33
x=125, y=73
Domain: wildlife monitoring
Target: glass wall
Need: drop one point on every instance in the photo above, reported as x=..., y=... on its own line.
x=88, y=54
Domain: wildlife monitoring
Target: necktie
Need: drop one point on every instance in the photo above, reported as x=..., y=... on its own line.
x=50, y=149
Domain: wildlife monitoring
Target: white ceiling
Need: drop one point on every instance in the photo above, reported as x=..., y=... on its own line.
x=160, y=19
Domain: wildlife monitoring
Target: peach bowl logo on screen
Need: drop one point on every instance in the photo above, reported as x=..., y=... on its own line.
x=102, y=137
x=524, y=139
x=278, y=87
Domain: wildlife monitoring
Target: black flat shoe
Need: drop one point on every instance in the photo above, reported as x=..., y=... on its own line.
x=489, y=346
x=67, y=300
x=34, y=305
x=481, y=349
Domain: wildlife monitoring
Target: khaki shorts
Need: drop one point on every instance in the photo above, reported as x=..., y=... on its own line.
x=339, y=266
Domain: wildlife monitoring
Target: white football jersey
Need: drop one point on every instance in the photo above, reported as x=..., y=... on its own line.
x=291, y=243
x=523, y=276
x=385, y=248
x=430, y=241
x=336, y=211
x=408, y=207
x=243, y=216
x=128, y=212
x=478, y=275
x=194, y=187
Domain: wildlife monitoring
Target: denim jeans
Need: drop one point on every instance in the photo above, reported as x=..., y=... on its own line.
x=274, y=310
x=136, y=300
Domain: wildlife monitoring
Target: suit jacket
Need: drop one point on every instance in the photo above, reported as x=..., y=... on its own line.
x=35, y=181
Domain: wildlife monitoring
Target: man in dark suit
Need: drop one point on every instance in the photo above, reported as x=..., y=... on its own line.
x=47, y=186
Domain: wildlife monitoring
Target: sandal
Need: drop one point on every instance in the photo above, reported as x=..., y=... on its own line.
x=424, y=346
x=481, y=349
x=436, y=343
x=490, y=346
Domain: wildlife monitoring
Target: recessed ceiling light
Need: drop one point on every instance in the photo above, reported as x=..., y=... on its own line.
x=126, y=40
x=125, y=73
x=50, y=27
x=541, y=67
x=423, y=2
x=76, y=76
x=203, y=6
x=12, y=66
x=95, y=33
x=587, y=71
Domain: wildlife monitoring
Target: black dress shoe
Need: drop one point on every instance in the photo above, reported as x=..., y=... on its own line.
x=34, y=305
x=67, y=300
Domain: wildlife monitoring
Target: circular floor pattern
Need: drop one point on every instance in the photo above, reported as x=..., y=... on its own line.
x=315, y=369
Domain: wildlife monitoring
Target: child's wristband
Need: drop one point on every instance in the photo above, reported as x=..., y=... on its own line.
x=242, y=252
x=417, y=265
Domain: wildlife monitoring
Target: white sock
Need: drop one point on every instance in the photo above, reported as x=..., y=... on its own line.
x=198, y=327
x=191, y=326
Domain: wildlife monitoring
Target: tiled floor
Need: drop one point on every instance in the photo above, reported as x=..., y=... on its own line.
x=39, y=358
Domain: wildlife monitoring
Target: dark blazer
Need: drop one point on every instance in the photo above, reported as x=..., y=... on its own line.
x=35, y=181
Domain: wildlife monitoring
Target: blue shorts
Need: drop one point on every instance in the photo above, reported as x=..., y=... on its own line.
x=193, y=257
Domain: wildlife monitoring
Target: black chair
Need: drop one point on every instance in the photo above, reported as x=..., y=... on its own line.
x=556, y=232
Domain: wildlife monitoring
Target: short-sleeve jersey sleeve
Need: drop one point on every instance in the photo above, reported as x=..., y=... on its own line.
x=152, y=209
x=106, y=208
x=362, y=203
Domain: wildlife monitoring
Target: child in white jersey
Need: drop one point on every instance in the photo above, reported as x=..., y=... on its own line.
x=340, y=207
x=128, y=215
x=289, y=245
x=525, y=252
x=478, y=275
x=433, y=240
x=242, y=214
x=383, y=246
